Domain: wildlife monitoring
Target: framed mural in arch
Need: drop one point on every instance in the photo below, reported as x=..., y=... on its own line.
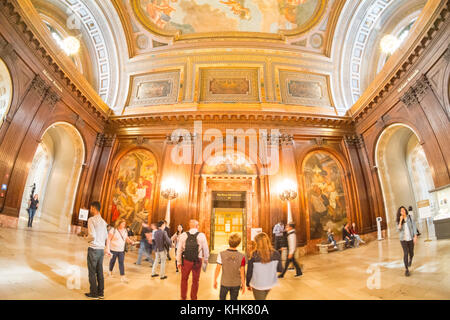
x=133, y=189
x=325, y=194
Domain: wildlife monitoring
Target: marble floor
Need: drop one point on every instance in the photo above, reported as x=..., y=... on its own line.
x=45, y=265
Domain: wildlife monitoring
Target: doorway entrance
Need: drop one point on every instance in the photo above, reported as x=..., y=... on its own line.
x=228, y=217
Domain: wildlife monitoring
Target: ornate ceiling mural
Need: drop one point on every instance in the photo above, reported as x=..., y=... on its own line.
x=188, y=17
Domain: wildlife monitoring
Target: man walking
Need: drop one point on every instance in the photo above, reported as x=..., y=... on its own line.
x=145, y=244
x=192, y=252
x=278, y=235
x=97, y=235
x=292, y=246
x=161, y=240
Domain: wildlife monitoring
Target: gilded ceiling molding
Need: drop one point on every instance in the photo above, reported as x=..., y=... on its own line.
x=402, y=61
x=28, y=24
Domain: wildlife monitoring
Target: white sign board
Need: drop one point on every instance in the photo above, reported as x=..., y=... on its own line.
x=254, y=232
x=83, y=215
x=424, y=209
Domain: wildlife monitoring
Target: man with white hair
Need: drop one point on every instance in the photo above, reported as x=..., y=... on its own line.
x=192, y=253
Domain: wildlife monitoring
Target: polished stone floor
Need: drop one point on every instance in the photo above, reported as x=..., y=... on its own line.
x=44, y=265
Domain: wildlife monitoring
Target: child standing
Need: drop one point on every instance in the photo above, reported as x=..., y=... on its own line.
x=233, y=274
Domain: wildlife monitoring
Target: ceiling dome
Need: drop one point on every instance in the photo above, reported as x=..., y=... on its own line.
x=187, y=17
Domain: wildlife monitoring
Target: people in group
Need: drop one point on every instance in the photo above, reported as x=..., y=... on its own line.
x=175, y=239
x=192, y=253
x=347, y=236
x=97, y=236
x=117, y=239
x=408, y=236
x=292, y=247
x=356, y=236
x=232, y=264
x=263, y=267
x=145, y=245
x=33, y=205
x=161, y=241
x=278, y=231
x=167, y=230
x=330, y=238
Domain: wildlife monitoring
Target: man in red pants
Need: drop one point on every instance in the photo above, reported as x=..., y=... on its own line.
x=192, y=253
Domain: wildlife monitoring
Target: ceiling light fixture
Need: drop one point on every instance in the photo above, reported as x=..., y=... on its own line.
x=70, y=45
x=389, y=44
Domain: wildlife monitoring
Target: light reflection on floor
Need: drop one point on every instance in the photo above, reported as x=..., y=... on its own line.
x=41, y=265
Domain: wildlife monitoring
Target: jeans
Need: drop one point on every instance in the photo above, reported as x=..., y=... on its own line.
x=358, y=239
x=260, y=294
x=112, y=262
x=143, y=250
x=160, y=256
x=408, y=250
x=31, y=214
x=351, y=241
x=331, y=240
x=95, y=269
x=297, y=267
x=234, y=292
x=186, y=269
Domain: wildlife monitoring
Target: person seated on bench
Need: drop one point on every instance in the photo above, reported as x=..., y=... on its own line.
x=355, y=235
x=347, y=236
x=330, y=236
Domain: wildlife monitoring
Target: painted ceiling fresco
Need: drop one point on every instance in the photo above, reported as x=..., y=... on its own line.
x=203, y=16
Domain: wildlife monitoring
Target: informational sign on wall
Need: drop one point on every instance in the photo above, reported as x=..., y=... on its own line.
x=424, y=209
x=254, y=232
x=83, y=215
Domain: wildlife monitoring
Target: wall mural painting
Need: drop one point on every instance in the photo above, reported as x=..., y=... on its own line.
x=134, y=188
x=305, y=89
x=229, y=86
x=197, y=16
x=154, y=89
x=325, y=194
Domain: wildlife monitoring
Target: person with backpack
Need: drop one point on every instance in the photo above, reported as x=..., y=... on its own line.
x=161, y=242
x=192, y=253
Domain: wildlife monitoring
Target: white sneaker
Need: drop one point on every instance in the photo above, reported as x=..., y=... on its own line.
x=124, y=279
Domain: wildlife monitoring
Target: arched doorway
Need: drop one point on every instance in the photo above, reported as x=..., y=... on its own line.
x=404, y=174
x=326, y=194
x=55, y=172
x=133, y=188
x=228, y=198
x=5, y=91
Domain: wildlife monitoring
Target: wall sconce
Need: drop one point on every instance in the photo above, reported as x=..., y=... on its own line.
x=288, y=192
x=170, y=191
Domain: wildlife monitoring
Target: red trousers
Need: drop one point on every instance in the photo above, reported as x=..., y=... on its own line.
x=186, y=269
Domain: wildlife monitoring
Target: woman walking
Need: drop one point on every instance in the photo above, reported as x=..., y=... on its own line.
x=33, y=205
x=174, y=239
x=117, y=238
x=408, y=236
x=263, y=268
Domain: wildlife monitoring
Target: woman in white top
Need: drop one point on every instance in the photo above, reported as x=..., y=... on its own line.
x=408, y=236
x=174, y=239
x=117, y=238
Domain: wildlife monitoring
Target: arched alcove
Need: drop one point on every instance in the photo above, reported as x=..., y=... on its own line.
x=55, y=171
x=404, y=174
x=6, y=91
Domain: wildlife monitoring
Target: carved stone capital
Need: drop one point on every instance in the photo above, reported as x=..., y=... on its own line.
x=139, y=140
x=108, y=140
x=99, y=141
x=51, y=98
x=187, y=139
x=422, y=86
x=7, y=50
x=354, y=140
x=319, y=141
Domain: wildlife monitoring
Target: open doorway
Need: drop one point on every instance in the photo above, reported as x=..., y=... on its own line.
x=53, y=176
x=405, y=177
x=228, y=217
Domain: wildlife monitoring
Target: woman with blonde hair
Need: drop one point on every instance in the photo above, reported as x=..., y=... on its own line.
x=115, y=247
x=263, y=266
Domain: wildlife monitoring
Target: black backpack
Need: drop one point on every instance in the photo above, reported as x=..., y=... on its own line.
x=191, y=247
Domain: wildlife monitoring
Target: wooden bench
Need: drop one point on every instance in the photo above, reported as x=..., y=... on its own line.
x=325, y=247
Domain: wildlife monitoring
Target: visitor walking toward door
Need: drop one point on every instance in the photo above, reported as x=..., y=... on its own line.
x=408, y=236
x=263, y=267
x=33, y=205
x=175, y=240
x=278, y=233
x=192, y=253
x=145, y=245
x=97, y=235
x=292, y=247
